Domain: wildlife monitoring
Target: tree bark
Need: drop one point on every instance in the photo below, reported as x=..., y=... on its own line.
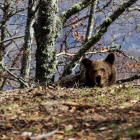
x=29, y=34
x=91, y=20
x=46, y=32
x=75, y=9
x=6, y=10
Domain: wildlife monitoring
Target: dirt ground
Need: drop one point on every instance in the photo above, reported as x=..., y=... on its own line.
x=55, y=113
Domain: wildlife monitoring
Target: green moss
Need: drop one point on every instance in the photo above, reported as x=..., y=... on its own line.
x=58, y=28
x=98, y=34
x=43, y=12
x=57, y=35
x=64, y=13
x=122, y=4
x=56, y=9
x=44, y=28
x=108, y=19
x=56, y=120
x=50, y=30
x=86, y=94
x=77, y=6
x=112, y=126
x=133, y=132
x=54, y=66
x=68, y=132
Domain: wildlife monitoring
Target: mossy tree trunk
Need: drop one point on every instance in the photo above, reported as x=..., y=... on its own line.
x=46, y=32
x=7, y=10
x=29, y=34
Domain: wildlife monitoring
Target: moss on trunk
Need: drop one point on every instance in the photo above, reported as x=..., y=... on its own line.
x=46, y=33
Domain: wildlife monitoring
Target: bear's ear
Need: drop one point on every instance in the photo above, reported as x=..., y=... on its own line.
x=110, y=58
x=86, y=62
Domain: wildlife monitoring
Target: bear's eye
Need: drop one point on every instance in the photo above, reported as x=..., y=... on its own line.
x=103, y=70
x=94, y=71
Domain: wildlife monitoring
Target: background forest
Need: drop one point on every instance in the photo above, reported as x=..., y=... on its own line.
x=44, y=40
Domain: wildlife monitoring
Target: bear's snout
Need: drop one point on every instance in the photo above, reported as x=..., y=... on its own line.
x=98, y=79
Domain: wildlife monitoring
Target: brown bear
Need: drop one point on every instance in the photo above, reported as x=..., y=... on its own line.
x=99, y=73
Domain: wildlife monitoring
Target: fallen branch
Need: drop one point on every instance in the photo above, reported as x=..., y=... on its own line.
x=74, y=104
x=128, y=79
x=44, y=136
x=17, y=77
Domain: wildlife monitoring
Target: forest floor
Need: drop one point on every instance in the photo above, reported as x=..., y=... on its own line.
x=55, y=113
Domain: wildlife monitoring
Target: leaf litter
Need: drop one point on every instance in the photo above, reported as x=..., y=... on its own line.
x=71, y=113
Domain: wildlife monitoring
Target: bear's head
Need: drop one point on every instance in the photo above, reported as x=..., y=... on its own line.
x=99, y=72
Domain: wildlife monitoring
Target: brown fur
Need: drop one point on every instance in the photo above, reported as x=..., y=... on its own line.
x=99, y=73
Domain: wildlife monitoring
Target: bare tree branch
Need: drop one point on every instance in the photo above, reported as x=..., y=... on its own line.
x=111, y=49
x=128, y=79
x=16, y=37
x=75, y=9
x=134, y=8
x=103, y=28
x=84, y=17
x=17, y=77
x=131, y=57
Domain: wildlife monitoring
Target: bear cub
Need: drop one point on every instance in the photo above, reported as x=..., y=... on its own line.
x=99, y=73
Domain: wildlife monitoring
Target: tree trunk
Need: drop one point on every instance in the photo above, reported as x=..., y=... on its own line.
x=46, y=31
x=91, y=20
x=6, y=10
x=29, y=34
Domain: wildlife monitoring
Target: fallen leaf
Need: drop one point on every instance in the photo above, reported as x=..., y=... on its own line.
x=36, y=113
x=91, y=134
x=134, y=101
x=14, y=117
x=73, y=109
x=80, y=133
x=72, y=139
x=102, y=128
x=87, y=124
x=58, y=136
x=68, y=127
x=26, y=134
x=131, y=113
x=50, y=87
x=23, y=115
x=86, y=111
x=9, y=125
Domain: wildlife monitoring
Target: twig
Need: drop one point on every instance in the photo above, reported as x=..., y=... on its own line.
x=43, y=136
x=134, y=8
x=128, y=79
x=111, y=49
x=16, y=37
x=131, y=57
x=17, y=77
